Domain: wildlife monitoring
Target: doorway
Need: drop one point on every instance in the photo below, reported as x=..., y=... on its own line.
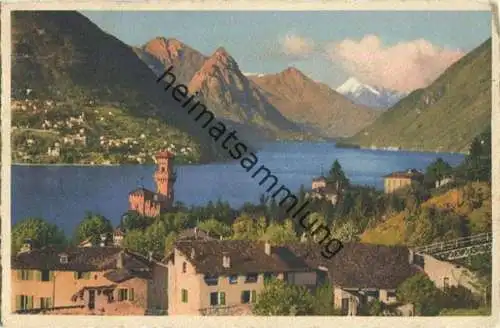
x=91, y=299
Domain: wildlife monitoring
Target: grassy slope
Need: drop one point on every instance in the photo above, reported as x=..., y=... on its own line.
x=393, y=230
x=445, y=116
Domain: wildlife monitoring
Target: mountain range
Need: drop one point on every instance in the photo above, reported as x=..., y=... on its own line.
x=445, y=116
x=275, y=105
x=367, y=95
x=319, y=108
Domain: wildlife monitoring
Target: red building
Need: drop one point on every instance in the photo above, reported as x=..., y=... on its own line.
x=150, y=203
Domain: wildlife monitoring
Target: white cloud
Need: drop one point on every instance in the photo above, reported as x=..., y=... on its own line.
x=297, y=46
x=404, y=66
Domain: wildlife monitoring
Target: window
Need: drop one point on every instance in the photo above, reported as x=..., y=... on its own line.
x=245, y=297
x=211, y=280
x=217, y=298
x=24, y=275
x=45, y=302
x=122, y=294
x=233, y=279
x=24, y=302
x=214, y=298
x=45, y=275
x=184, y=295
x=184, y=267
x=446, y=282
x=251, y=277
x=82, y=275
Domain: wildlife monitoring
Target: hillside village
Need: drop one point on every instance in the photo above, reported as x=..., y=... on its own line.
x=53, y=132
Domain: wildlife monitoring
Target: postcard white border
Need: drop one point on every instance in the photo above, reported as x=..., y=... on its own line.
x=40, y=321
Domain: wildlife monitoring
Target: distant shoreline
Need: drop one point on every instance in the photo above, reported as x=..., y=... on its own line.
x=68, y=164
x=394, y=149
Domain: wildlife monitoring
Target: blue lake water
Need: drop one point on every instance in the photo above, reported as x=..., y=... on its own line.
x=62, y=194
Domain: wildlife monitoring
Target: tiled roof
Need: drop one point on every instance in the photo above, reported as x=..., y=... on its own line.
x=121, y=275
x=328, y=190
x=356, y=265
x=79, y=259
x=359, y=265
x=148, y=194
x=320, y=178
x=408, y=174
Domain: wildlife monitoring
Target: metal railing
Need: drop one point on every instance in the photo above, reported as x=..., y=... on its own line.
x=458, y=248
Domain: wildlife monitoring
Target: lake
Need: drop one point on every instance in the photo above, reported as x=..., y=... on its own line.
x=62, y=194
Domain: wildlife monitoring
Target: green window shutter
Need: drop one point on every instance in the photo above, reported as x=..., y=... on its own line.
x=18, y=302
x=222, y=298
x=87, y=275
x=38, y=275
x=51, y=275
x=50, y=302
x=131, y=294
x=30, y=302
x=253, y=296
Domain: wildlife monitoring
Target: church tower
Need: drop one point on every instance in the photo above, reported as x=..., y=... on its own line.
x=164, y=177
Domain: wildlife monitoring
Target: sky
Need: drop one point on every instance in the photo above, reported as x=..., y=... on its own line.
x=401, y=51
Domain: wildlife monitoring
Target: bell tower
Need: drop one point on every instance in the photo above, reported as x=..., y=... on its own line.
x=164, y=177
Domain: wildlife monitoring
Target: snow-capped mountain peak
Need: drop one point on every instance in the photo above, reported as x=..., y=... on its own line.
x=364, y=94
x=354, y=86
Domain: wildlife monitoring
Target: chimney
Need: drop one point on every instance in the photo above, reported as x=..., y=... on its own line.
x=120, y=260
x=103, y=240
x=411, y=256
x=267, y=248
x=226, y=260
x=63, y=258
x=193, y=253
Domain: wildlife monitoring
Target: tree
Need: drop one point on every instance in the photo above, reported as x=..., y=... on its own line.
x=421, y=228
x=420, y=291
x=39, y=231
x=323, y=303
x=279, y=234
x=280, y=298
x=155, y=236
x=372, y=308
x=93, y=226
x=244, y=228
x=337, y=177
x=436, y=172
x=346, y=232
x=477, y=164
x=215, y=227
x=135, y=240
x=133, y=220
x=169, y=242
